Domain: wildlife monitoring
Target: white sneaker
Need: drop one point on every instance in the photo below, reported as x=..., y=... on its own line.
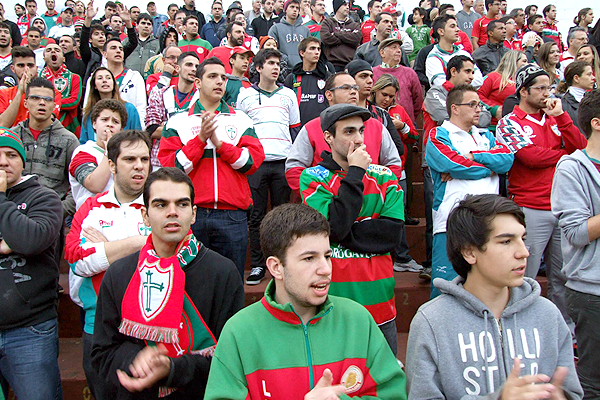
x=411, y=266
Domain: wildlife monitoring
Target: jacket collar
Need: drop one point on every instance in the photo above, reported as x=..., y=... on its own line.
x=286, y=313
x=523, y=115
x=198, y=108
x=109, y=199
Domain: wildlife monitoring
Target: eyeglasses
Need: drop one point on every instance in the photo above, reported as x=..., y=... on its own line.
x=35, y=97
x=472, y=104
x=346, y=87
x=542, y=88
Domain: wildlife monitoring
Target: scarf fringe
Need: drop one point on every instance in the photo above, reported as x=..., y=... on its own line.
x=148, y=332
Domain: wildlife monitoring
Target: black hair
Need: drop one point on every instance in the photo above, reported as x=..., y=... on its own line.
x=21, y=52
x=589, y=108
x=209, y=61
x=457, y=63
x=286, y=223
x=330, y=82
x=303, y=45
x=469, y=224
x=420, y=10
x=142, y=16
x=531, y=20
x=186, y=19
x=230, y=25
x=111, y=39
x=129, y=136
x=445, y=7
x=440, y=23
x=166, y=174
x=379, y=16
x=528, y=9
x=372, y=3
x=492, y=25
x=488, y=3
x=263, y=55
x=34, y=29
x=547, y=9
x=40, y=83
x=97, y=27
x=182, y=56
x=110, y=4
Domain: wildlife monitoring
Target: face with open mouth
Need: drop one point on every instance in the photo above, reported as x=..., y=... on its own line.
x=306, y=273
x=104, y=82
x=53, y=56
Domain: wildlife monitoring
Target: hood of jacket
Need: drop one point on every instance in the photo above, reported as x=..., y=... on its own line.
x=320, y=71
x=45, y=25
x=297, y=23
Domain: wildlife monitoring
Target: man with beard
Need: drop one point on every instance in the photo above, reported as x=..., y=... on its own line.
x=164, y=103
x=164, y=348
x=192, y=41
x=235, y=37
x=105, y=228
x=67, y=83
x=5, y=49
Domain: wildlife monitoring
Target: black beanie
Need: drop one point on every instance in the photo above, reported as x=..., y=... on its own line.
x=337, y=4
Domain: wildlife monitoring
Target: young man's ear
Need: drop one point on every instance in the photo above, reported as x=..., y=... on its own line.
x=595, y=123
x=275, y=267
x=112, y=166
x=328, y=138
x=468, y=254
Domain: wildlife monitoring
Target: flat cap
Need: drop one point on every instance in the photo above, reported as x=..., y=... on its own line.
x=387, y=42
x=338, y=112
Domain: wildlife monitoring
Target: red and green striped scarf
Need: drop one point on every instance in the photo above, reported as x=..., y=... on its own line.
x=157, y=309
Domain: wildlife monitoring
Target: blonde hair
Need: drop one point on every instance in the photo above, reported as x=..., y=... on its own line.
x=384, y=81
x=507, y=68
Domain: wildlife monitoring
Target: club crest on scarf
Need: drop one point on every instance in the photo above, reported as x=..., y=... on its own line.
x=155, y=289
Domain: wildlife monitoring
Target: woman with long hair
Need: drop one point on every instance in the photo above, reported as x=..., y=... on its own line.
x=579, y=78
x=584, y=19
x=383, y=94
x=104, y=86
x=500, y=83
x=588, y=53
x=548, y=58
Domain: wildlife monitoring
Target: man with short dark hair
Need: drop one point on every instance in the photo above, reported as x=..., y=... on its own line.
x=275, y=114
x=340, y=35
x=265, y=20
x=93, y=37
x=134, y=12
x=105, y=228
x=74, y=64
x=445, y=31
x=110, y=8
x=234, y=32
x=12, y=99
x=289, y=32
x=364, y=229
x=307, y=79
x=192, y=41
x=463, y=160
x=189, y=7
x=24, y=21
x=170, y=21
x=210, y=29
x=575, y=202
x=218, y=157
x=5, y=49
x=295, y=240
x=374, y=8
x=48, y=145
x=65, y=81
x=479, y=35
x=163, y=103
x=14, y=29
x=483, y=336
x=539, y=133
x=29, y=229
x=51, y=15
x=369, y=51
x=147, y=44
x=550, y=29
x=162, y=341
x=157, y=19
x=317, y=17
x=488, y=56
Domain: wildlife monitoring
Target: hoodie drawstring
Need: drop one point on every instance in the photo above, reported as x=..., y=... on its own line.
x=485, y=357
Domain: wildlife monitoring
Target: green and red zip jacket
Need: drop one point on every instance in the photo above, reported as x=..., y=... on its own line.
x=365, y=210
x=266, y=352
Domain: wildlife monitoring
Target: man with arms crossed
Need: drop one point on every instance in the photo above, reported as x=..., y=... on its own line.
x=353, y=358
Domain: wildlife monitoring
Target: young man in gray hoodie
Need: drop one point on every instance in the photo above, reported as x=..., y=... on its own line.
x=511, y=343
x=576, y=204
x=290, y=31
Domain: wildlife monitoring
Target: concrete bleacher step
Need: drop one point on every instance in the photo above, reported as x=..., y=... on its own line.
x=73, y=379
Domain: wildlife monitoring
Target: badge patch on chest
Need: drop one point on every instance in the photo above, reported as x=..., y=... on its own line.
x=352, y=379
x=155, y=289
x=555, y=130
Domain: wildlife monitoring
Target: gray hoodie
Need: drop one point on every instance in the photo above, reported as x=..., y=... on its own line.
x=457, y=350
x=289, y=37
x=576, y=198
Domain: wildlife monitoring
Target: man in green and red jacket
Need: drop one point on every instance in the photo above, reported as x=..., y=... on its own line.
x=298, y=342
